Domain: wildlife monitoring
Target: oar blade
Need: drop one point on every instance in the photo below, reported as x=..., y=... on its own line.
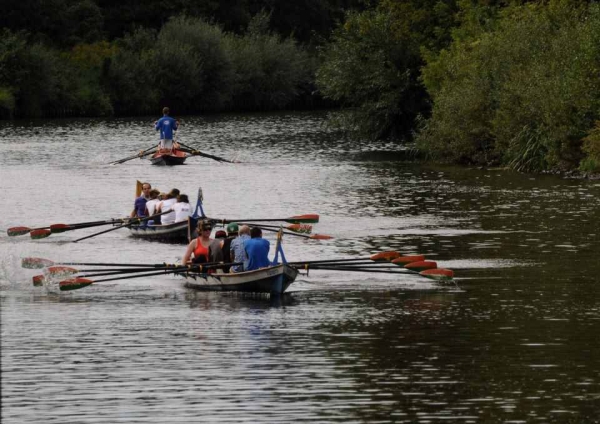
x=36, y=263
x=404, y=260
x=442, y=274
x=309, y=218
x=74, y=284
x=300, y=228
x=17, y=231
x=62, y=270
x=38, y=280
x=320, y=237
x=385, y=256
x=421, y=266
x=59, y=228
x=40, y=234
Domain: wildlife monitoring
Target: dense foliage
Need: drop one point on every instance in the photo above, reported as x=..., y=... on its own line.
x=523, y=93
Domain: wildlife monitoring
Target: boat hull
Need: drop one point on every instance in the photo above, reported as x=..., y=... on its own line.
x=177, y=233
x=271, y=280
x=168, y=158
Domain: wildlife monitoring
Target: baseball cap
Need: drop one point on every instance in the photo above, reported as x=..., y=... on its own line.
x=232, y=228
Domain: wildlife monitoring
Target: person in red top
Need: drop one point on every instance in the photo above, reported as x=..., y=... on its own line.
x=199, y=246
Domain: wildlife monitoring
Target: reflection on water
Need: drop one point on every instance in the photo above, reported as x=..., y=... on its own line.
x=512, y=341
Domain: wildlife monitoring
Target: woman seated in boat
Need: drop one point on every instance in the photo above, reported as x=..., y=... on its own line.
x=182, y=208
x=197, y=250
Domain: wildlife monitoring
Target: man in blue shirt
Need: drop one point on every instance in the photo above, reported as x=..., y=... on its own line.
x=257, y=249
x=139, y=206
x=166, y=125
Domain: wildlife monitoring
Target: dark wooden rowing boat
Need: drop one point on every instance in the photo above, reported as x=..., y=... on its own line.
x=272, y=280
x=169, y=158
x=177, y=233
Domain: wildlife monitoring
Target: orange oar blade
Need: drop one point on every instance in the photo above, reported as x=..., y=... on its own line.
x=74, y=284
x=36, y=263
x=17, y=231
x=62, y=270
x=59, y=228
x=421, y=266
x=385, y=256
x=39, y=234
x=38, y=280
x=320, y=237
x=404, y=260
x=438, y=274
x=300, y=228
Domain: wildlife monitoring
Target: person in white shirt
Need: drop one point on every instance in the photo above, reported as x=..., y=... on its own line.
x=151, y=204
x=182, y=208
x=167, y=206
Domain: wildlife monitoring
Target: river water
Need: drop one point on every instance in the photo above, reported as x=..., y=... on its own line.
x=515, y=339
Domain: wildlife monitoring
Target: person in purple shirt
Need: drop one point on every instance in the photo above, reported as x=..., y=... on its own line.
x=257, y=249
x=139, y=206
x=166, y=125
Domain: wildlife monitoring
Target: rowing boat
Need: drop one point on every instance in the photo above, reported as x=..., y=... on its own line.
x=179, y=232
x=273, y=280
x=168, y=157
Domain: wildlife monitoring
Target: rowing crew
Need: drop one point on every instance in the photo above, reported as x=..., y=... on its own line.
x=242, y=245
x=175, y=206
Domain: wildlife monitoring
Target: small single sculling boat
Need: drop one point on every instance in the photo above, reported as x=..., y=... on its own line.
x=169, y=157
x=272, y=280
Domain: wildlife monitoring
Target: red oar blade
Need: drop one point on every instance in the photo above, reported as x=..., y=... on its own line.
x=74, y=284
x=39, y=234
x=62, y=270
x=38, y=280
x=59, y=228
x=421, y=266
x=385, y=256
x=36, y=263
x=438, y=274
x=320, y=237
x=310, y=218
x=17, y=231
x=404, y=260
x=300, y=228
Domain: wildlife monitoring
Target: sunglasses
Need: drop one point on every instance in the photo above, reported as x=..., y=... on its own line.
x=206, y=228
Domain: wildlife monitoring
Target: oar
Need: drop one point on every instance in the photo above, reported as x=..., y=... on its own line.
x=310, y=218
x=57, y=228
x=61, y=228
x=81, y=282
x=312, y=236
x=381, y=256
x=37, y=263
x=139, y=155
x=192, y=151
x=297, y=228
x=133, y=222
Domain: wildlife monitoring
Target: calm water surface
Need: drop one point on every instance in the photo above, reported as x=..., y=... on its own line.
x=516, y=339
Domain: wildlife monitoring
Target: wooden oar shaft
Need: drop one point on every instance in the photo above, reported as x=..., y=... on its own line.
x=383, y=271
x=134, y=221
x=143, y=153
x=191, y=268
x=327, y=261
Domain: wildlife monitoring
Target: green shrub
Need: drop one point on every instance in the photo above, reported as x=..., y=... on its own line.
x=538, y=89
x=267, y=71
